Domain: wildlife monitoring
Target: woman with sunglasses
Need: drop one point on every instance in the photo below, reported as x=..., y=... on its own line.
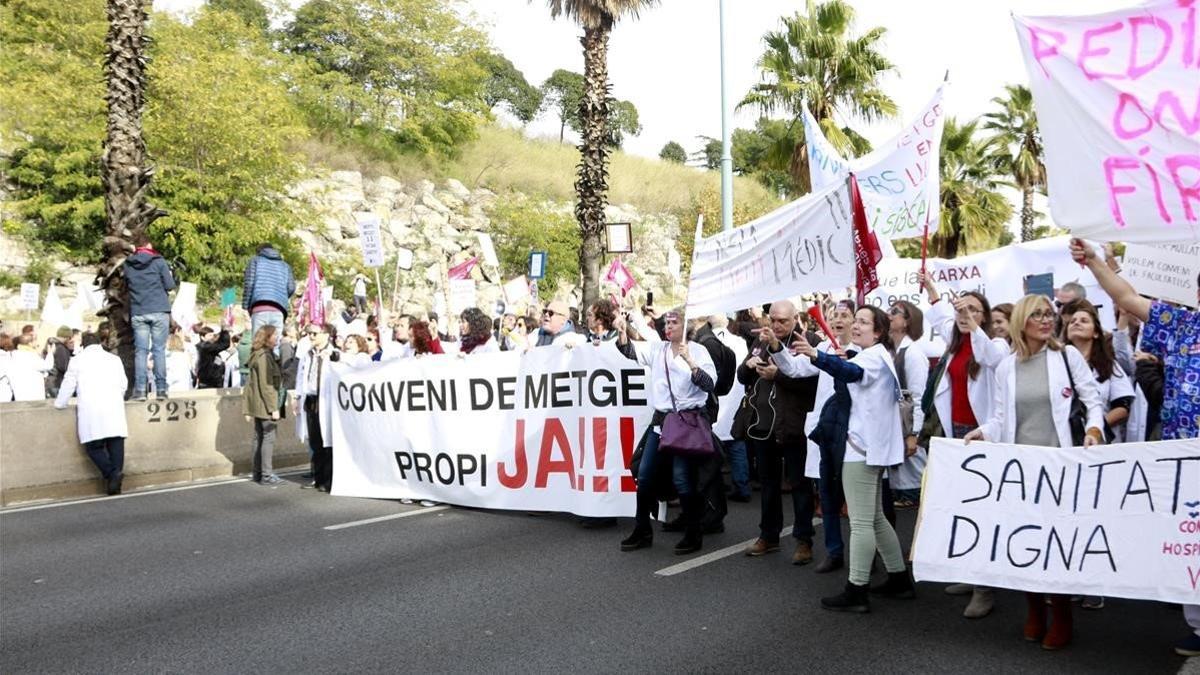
x=962, y=387
x=1035, y=386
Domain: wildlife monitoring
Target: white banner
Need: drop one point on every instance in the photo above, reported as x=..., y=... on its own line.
x=899, y=180
x=550, y=430
x=1167, y=272
x=1117, y=96
x=998, y=274
x=1119, y=521
x=803, y=247
x=370, y=238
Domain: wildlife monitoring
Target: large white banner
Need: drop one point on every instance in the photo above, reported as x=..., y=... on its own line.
x=898, y=180
x=1119, y=521
x=550, y=430
x=802, y=247
x=1117, y=98
x=1167, y=272
x=999, y=274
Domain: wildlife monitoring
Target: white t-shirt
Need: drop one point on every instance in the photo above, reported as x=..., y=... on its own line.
x=360, y=287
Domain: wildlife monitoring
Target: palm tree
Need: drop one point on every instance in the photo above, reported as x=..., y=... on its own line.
x=123, y=165
x=973, y=212
x=597, y=18
x=815, y=60
x=1020, y=148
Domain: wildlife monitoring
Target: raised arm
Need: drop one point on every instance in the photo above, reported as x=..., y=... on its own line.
x=1122, y=292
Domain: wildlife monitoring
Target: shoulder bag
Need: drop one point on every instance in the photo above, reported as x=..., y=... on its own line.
x=1078, y=417
x=686, y=433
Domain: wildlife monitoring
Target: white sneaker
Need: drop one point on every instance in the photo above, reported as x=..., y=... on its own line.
x=426, y=502
x=406, y=501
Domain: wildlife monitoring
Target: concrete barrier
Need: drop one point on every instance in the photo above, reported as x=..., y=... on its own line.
x=192, y=436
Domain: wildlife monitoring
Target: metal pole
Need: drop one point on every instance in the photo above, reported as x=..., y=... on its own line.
x=726, y=152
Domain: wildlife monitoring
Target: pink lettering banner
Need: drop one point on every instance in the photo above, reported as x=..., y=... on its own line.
x=1118, y=105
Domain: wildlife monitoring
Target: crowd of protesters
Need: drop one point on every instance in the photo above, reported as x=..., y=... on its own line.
x=841, y=421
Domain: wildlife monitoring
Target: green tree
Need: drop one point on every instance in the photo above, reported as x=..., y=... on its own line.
x=673, y=152
x=252, y=12
x=562, y=92
x=525, y=225
x=710, y=154
x=506, y=85
x=597, y=17
x=622, y=120
x=417, y=61
x=974, y=214
x=1019, y=148
x=815, y=60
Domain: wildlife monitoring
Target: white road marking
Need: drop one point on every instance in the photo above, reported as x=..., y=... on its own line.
x=698, y=561
x=380, y=519
x=140, y=493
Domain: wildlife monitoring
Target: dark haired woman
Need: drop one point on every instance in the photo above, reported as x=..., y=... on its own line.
x=964, y=384
x=1001, y=316
x=873, y=444
x=475, y=329
x=263, y=402
x=422, y=340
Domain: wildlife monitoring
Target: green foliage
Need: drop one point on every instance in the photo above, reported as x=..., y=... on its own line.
x=673, y=152
x=252, y=12
x=415, y=63
x=707, y=203
x=974, y=214
x=562, y=92
x=622, y=120
x=506, y=85
x=525, y=225
x=9, y=280
x=762, y=153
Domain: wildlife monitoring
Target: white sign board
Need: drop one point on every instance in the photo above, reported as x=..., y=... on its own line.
x=370, y=238
x=183, y=309
x=404, y=258
x=29, y=296
x=499, y=431
x=1121, y=524
x=516, y=290
x=1167, y=272
x=487, y=249
x=898, y=181
x=462, y=295
x=802, y=247
x=1116, y=96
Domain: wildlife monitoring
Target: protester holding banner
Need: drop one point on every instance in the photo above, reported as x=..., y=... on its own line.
x=1114, y=385
x=476, y=331
x=873, y=444
x=1036, y=390
x=311, y=411
x=1171, y=335
x=687, y=392
x=422, y=340
x=961, y=388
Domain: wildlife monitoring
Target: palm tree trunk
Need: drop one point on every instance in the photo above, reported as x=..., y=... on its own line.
x=591, y=184
x=1027, y=214
x=123, y=166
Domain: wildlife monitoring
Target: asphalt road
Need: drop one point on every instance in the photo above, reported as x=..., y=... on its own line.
x=235, y=577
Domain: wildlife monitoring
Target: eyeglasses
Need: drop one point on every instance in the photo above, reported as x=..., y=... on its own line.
x=550, y=312
x=1042, y=315
x=898, y=311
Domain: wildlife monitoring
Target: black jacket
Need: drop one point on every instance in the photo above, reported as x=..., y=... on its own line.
x=1149, y=378
x=210, y=371
x=785, y=399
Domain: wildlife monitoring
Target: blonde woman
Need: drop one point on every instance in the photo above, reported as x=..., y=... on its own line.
x=179, y=365
x=1034, y=389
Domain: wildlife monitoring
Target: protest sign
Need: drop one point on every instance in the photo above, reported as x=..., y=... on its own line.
x=802, y=247
x=228, y=297
x=183, y=309
x=370, y=238
x=92, y=295
x=516, y=290
x=52, y=307
x=1122, y=523
x=999, y=274
x=462, y=294
x=404, y=258
x=487, y=249
x=1116, y=101
x=1167, y=272
x=551, y=430
x=537, y=265
x=899, y=180
x=29, y=296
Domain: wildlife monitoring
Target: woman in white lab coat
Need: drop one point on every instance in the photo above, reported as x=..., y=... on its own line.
x=1034, y=390
x=27, y=370
x=99, y=379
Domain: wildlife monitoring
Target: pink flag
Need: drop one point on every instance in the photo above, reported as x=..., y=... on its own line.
x=312, y=292
x=463, y=269
x=619, y=274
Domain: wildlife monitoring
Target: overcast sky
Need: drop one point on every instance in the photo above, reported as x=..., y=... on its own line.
x=667, y=61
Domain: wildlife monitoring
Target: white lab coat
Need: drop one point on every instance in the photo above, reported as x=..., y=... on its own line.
x=875, y=410
x=728, y=404
x=1001, y=427
x=793, y=366
x=179, y=371
x=1119, y=386
x=27, y=375
x=988, y=352
x=99, y=379
x=326, y=407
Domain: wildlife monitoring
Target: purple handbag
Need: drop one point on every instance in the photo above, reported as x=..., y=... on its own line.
x=685, y=433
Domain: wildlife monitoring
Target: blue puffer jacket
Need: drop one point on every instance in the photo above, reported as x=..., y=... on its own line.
x=268, y=280
x=148, y=279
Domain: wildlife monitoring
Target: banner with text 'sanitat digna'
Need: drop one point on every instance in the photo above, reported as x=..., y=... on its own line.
x=550, y=430
x=1118, y=106
x=1117, y=521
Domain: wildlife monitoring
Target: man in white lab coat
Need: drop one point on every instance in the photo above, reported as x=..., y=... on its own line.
x=99, y=378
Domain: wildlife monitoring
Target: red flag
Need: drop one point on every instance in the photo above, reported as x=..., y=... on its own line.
x=312, y=292
x=463, y=269
x=867, y=252
x=620, y=275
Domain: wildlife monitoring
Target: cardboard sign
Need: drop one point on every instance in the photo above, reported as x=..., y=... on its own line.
x=1167, y=272
x=404, y=259
x=370, y=238
x=487, y=249
x=537, y=265
x=462, y=295
x=29, y=296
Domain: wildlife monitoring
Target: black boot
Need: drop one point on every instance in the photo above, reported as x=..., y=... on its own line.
x=676, y=525
x=643, y=534
x=898, y=585
x=853, y=599
x=693, y=513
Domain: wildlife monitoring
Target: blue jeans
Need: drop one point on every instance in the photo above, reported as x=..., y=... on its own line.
x=679, y=468
x=260, y=319
x=108, y=454
x=832, y=499
x=150, y=336
x=739, y=467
